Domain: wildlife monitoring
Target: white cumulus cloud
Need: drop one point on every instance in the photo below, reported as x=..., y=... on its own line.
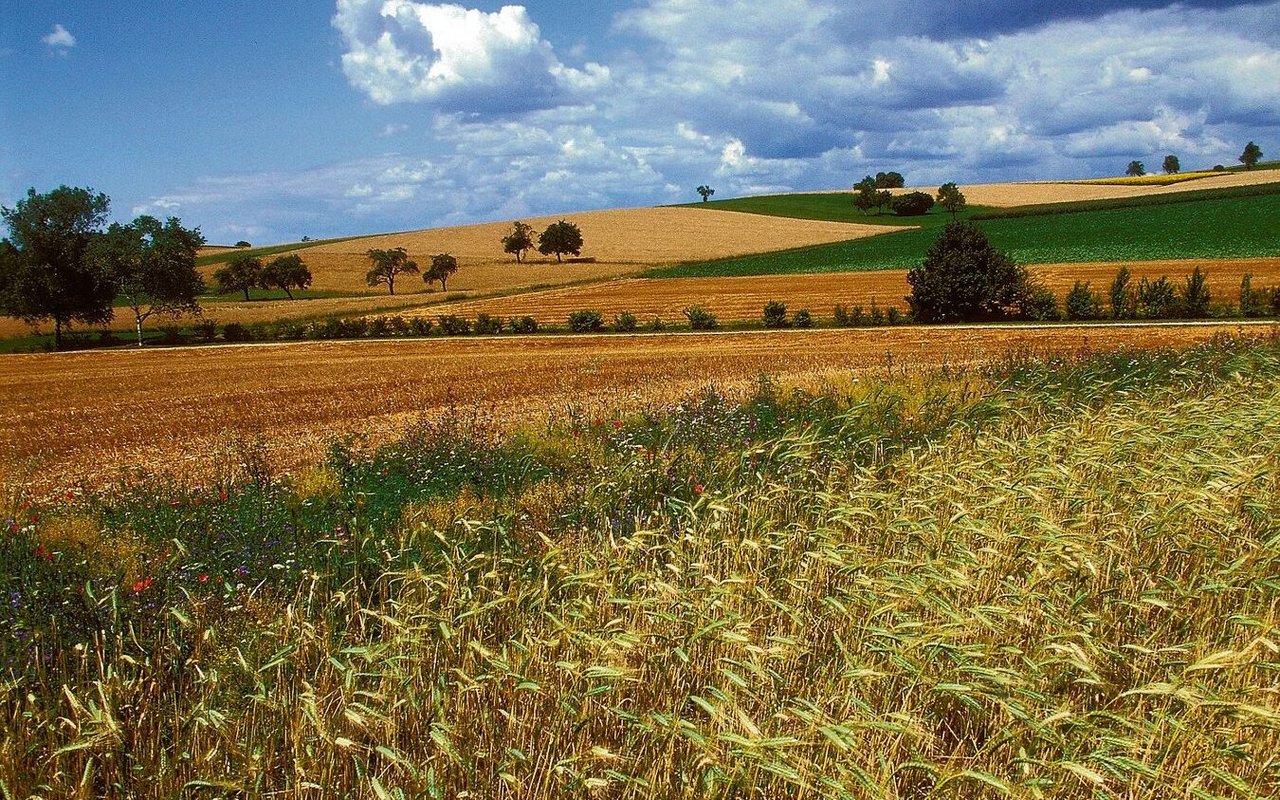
x=60, y=38
x=456, y=58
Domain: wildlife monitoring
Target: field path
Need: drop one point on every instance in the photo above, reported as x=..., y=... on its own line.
x=92, y=418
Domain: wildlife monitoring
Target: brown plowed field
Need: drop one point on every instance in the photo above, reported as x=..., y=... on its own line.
x=743, y=299
x=91, y=418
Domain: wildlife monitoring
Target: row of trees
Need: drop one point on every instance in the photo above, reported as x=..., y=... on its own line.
x=248, y=272
x=59, y=263
x=560, y=239
x=390, y=264
x=1172, y=165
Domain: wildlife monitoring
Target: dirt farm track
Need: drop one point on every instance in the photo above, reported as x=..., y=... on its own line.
x=91, y=418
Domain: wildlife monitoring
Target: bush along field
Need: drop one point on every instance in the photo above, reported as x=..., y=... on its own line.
x=868, y=590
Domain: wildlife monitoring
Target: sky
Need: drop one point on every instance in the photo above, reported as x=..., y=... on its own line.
x=270, y=121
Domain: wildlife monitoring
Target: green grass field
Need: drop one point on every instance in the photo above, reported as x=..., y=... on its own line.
x=828, y=206
x=868, y=591
x=1212, y=224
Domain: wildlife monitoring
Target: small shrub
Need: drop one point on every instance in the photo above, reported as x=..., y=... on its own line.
x=1083, y=302
x=656, y=324
x=841, y=315
x=586, y=321
x=170, y=334
x=235, y=332
x=525, y=324
x=1122, y=301
x=775, y=314
x=803, y=319
x=876, y=317
x=912, y=204
x=1042, y=306
x=1195, y=297
x=420, y=326
x=287, y=330
x=453, y=325
x=398, y=325
x=378, y=328
x=1254, y=302
x=625, y=322
x=354, y=328
x=488, y=325
x=893, y=316
x=1156, y=299
x=701, y=319
x=207, y=329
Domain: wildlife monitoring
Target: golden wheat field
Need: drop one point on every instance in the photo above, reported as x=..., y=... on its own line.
x=92, y=418
x=1021, y=194
x=621, y=241
x=741, y=299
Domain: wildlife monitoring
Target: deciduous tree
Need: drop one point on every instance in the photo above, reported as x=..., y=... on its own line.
x=560, y=238
x=519, y=240
x=443, y=265
x=1136, y=169
x=706, y=192
x=1251, y=156
x=44, y=271
x=965, y=278
x=387, y=264
x=951, y=198
x=287, y=273
x=1171, y=164
x=152, y=266
x=241, y=275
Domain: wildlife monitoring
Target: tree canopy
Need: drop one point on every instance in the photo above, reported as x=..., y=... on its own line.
x=1171, y=164
x=964, y=278
x=1136, y=169
x=45, y=273
x=951, y=198
x=443, y=265
x=706, y=192
x=561, y=238
x=286, y=272
x=519, y=240
x=152, y=266
x=1251, y=156
x=387, y=264
x=241, y=275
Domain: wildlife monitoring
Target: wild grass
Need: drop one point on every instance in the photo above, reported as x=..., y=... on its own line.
x=1233, y=225
x=1054, y=577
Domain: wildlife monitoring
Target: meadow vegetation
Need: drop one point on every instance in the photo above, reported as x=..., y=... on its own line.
x=865, y=590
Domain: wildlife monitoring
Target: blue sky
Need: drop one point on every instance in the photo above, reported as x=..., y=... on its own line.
x=271, y=121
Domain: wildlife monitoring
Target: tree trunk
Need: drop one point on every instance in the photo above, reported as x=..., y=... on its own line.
x=246, y=293
x=286, y=291
x=444, y=286
x=391, y=285
x=137, y=318
x=57, y=333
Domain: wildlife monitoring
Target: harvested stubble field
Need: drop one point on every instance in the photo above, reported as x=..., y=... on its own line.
x=1025, y=194
x=621, y=241
x=93, y=418
x=741, y=299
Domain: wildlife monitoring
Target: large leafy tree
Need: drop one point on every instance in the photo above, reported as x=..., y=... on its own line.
x=287, y=273
x=443, y=265
x=561, y=238
x=964, y=278
x=387, y=264
x=1171, y=164
x=241, y=275
x=152, y=266
x=706, y=192
x=1136, y=169
x=45, y=273
x=1251, y=156
x=951, y=198
x=519, y=240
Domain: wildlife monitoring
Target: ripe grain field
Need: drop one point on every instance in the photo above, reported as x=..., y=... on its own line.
x=94, y=418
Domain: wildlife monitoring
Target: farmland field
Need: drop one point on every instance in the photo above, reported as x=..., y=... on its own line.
x=1242, y=227
x=1043, y=578
x=96, y=417
x=741, y=299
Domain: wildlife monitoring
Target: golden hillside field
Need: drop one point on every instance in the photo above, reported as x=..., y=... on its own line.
x=742, y=299
x=92, y=418
x=621, y=241
x=1020, y=194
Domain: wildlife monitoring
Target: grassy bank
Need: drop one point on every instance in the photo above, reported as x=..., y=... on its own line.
x=872, y=590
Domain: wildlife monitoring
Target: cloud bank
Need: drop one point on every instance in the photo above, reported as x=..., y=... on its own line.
x=793, y=94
